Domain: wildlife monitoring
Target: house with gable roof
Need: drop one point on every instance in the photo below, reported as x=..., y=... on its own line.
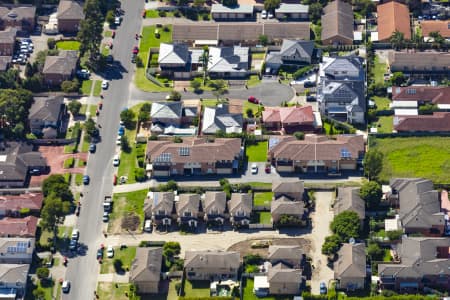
x=188, y=209
x=240, y=208
x=162, y=208
x=350, y=267
x=69, y=16
x=292, y=256
x=212, y=265
x=61, y=67
x=337, y=23
x=215, y=207
x=46, y=116
x=228, y=62
x=145, y=271
x=290, y=119
x=294, y=53
x=283, y=280
x=348, y=199
x=220, y=118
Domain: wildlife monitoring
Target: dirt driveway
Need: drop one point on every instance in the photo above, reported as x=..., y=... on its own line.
x=245, y=247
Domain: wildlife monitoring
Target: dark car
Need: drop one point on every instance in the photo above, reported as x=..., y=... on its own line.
x=100, y=253
x=113, y=34
x=310, y=99
x=308, y=84
x=92, y=148
x=268, y=169
x=73, y=244
x=86, y=179
x=135, y=50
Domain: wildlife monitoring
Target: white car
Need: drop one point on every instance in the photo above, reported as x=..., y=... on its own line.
x=105, y=84
x=264, y=14
x=270, y=15
x=117, y=21
x=148, y=225
x=118, y=140
x=110, y=252
x=254, y=169
x=116, y=160
x=65, y=286
x=75, y=234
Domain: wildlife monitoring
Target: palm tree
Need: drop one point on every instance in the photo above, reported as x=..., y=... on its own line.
x=205, y=59
x=397, y=40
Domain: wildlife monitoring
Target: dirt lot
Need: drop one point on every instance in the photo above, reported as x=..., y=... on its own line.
x=245, y=247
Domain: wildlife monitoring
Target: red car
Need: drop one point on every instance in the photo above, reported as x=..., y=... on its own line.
x=268, y=169
x=110, y=45
x=135, y=50
x=113, y=34
x=252, y=99
x=100, y=105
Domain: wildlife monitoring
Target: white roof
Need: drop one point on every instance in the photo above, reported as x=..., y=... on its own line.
x=292, y=8
x=206, y=42
x=260, y=282
x=443, y=106
x=242, y=9
x=357, y=35
x=374, y=36
x=403, y=104
x=317, y=119
x=406, y=112
x=391, y=224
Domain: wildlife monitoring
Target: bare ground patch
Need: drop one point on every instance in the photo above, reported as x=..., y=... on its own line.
x=245, y=247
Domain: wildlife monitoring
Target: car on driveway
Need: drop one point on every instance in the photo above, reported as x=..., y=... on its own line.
x=310, y=99
x=86, y=179
x=264, y=14
x=92, y=148
x=268, y=168
x=254, y=169
x=323, y=288
x=110, y=252
x=105, y=84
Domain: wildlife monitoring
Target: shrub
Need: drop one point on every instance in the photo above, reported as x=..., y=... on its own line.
x=299, y=135
x=118, y=265
x=139, y=174
x=42, y=273
x=51, y=43
x=141, y=162
x=162, y=13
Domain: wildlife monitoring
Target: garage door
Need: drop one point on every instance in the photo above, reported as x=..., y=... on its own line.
x=285, y=169
x=161, y=173
x=348, y=166
x=224, y=171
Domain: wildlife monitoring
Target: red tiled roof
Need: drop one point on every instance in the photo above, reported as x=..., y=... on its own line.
x=393, y=16
x=434, y=94
x=32, y=201
x=439, y=121
x=287, y=115
x=18, y=227
x=440, y=26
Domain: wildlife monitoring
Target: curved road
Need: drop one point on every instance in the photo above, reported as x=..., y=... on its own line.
x=83, y=269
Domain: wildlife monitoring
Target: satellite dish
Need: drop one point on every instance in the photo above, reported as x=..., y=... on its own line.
x=351, y=241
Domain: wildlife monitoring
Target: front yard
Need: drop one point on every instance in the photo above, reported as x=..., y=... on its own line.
x=427, y=157
x=379, y=70
x=261, y=199
x=86, y=87
x=123, y=203
x=125, y=255
x=111, y=291
x=257, y=152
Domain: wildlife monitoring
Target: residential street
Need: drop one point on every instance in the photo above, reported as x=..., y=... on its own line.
x=83, y=270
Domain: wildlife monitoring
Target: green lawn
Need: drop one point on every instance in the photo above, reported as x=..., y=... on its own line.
x=97, y=88
x=172, y=293
x=253, y=80
x=196, y=289
x=262, y=198
x=68, y=45
x=246, y=105
x=125, y=255
x=92, y=110
x=67, y=177
x=128, y=202
x=72, y=132
x=151, y=14
x=381, y=102
x=68, y=163
x=150, y=41
x=104, y=50
x=249, y=295
x=258, y=152
x=386, y=123
x=107, y=33
x=259, y=55
x=85, y=146
x=86, y=87
x=261, y=217
x=379, y=70
x=387, y=255
x=83, y=109
x=427, y=157
x=111, y=291
x=78, y=179
x=209, y=102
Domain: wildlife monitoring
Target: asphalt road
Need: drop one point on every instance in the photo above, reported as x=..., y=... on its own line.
x=83, y=269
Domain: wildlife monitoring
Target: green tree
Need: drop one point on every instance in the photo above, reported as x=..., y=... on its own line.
x=204, y=60
x=195, y=84
x=127, y=116
x=70, y=86
x=91, y=29
x=394, y=235
x=299, y=135
x=263, y=39
x=375, y=252
x=34, y=83
x=143, y=116
x=175, y=96
x=74, y=107
x=42, y=273
x=373, y=164
x=139, y=174
x=170, y=249
x=271, y=5
x=39, y=294
x=397, y=40
x=110, y=17
x=315, y=12
x=90, y=128
x=229, y=2
x=346, y=225
x=249, y=112
x=14, y=107
x=219, y=87
x=371, y=193
x=331, y=245
x=51, y=43
x=398, y=79
x=10, y=79
x=438, y=40
x=53, y=209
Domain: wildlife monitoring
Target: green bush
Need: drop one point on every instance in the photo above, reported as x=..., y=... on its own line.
x=51, y=43
x=42, y=273
x=139, y=174
x=118, y=265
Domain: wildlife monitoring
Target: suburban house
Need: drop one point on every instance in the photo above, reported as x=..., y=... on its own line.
x=292, y=190
x=22, y=17
x=162, y=207
x=348, y=199
x=316, y=153
x=220, y=118
x=16, y=250
x=393, y=16
x=60, y=67
x=7, y=41
x=5, y=63
x=194, y=156
x=215, y=206
x=283, y=280
x=341, y=91
x=46, y=116
x=12, y=205
x=424, y=262
x=172, y=113
x=212, y=265
x=419, y=64
x=188, y=208
x=177, y=60
x=284, y=207
x=225, y=33
x=292, y=256
x=337, y=23
x=292, y=11
x=238, y=12
x=145, y=271
x=437, y=122
x=428, y=26
x=437, y=95
x=350, y=268
x=290, y=119
x=228, y=62
x=293, y=53
x=420, y=207
x=240, y=208
x=14, y=278
x=69, y=15
x=16, y=161
x=18, y=227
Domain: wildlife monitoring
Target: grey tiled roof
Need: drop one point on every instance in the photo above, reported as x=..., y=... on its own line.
x=351, y=262
x=46, y=108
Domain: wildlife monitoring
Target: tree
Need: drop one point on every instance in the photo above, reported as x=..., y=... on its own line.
x=263, y=39
x=170, y=249
x=315, y=12
x=127, y=116
x=204, y=60
x=51, y=43
x=331, y=245
x=143, y=116
x=34, y=83
x=398, y=78
x=39, y=294
x=42, y=273
x=219, y=87
x=397, y=40
x=175, y=96
x=74, y=107
x=90, y=128
x=271, y=5
x=139, y=174
x=91, y=29
x=438, y=40
x=229, y=2
x=170, y=186
x=249, y=112
x=14, y=107
x=70, y=86
x=373, y=164
x=346, y=225
x=53, y=209
x=394, y=235
x=375, y=252
x=299, y=135
x=110, y=17
x=371, y=193
x=195, y=84
x=124, y=144
x=56, y=185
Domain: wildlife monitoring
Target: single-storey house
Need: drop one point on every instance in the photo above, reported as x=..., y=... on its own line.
x=437, y=95
x=16, y=250
x=11, y=205
x=292, y=256
x=393, y=16
x=437, y=122
x=46, y=116
x=228, y=62
x=293, y=53
x=237, y=12
x=419, y=64
x=289, y=119
x=292, y=11
x=428, y=26
x=145, y=271
x=219, y=118
x=211, y=265
x=18, y=227
x=350, y=268
x=69, y=15
x=337, y=23
x=60, y=67
x=283, y=280
x=348, y=199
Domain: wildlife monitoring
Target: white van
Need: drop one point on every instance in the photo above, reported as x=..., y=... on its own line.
x=116, y=160
x=148, y=225
x=75, y=234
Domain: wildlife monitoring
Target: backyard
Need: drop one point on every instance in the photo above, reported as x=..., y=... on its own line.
x=111, y=291
x=68, y=45
x=382, y=103
x=379, y=70
x=262, y=217
x=196, y=289
x=257, y=152
x=249, y=295
x=261, y=199
x=385, y=124
x=427, y=157
x=125, y=255
x=123, y=203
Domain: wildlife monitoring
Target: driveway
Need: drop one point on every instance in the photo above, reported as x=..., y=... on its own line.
x=321, y=219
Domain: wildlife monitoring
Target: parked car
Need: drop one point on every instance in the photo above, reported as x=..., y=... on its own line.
x=264, y=14
x=75, y=234
x=73, y=244
x=86, y=179
x=268, y=168
x=83, y=74
x=117, y=21
x=65, y=287
x=323, y=288
x=121, y=130
x=135, y=50
x=253, y=99
x=119, y=140
x=100, y=253
x=254, y=169
x=270, y=15
x=308, y=84
x=105, y=84
x=92, y=148
x=100, y=105
x=110, y=252
x=310, y=98
x=116, y=160
x=113, y=34
x=105, y=217
x=148, y=225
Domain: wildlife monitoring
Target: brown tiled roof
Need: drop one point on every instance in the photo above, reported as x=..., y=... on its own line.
x=64, y=63
x=70, y=10
x=246, y=32
x=215, y=201
x=317, y=147
x=285, y=253
x=286, y=207
x=32, y=201
x=434, y=94
x=439, y=121
x=280, y=187
x=351, y=262
x=17, y=13
x=188, y=202
x=200, y=151
x=240, y=202
x=147, y=265
x=440, y=26
x=419, y=61
x=393, y=16
x=23, y=227
x=337, y=20
x=288, y=115
x=8, y=36
x=281, y=273
x=348, y=199
x=201, y=260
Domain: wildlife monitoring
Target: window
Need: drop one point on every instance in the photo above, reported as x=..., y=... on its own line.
x=187, y=214
x=411, y=91
x=161, y=212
